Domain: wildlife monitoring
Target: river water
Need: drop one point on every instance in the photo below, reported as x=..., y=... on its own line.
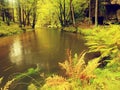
x=40, y=47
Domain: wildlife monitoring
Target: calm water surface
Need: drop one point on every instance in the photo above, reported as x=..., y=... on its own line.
x=41, y=47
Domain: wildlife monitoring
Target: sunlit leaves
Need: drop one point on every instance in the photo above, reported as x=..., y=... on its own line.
x=32, y=87
x=105, y=39
x=76, y=68
x=51, y=11
x=1, y=78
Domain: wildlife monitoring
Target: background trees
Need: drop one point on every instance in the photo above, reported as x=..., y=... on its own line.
x=50, y=13
x=22, y=11
x=56, y=13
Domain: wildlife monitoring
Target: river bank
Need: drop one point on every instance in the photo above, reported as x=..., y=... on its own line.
x=9, y=30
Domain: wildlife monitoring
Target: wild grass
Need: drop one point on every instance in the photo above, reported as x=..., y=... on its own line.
x=15, y=80
x=9, y=30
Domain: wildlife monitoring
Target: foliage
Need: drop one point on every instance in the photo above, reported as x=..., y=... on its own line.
x=107, y=79
x=56, y=82
x=1, y=78
x=29, y=72
x=76, y=68
x=47, y=13
x=52, y=13
x=7, y=85
x=70, y=29
x=87, y=77
x=7, y=31
x=32, y=87
x=77, y=74
x=106, y=41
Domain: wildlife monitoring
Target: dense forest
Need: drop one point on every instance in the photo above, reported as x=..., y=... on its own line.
x=57, y=28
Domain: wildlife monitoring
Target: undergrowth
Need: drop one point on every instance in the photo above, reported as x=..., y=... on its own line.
x=9, y=30
x=78, y=75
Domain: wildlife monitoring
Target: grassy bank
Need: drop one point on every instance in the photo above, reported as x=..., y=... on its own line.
x=9, y=30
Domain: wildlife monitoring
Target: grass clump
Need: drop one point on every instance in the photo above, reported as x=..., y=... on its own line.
x=9, y=30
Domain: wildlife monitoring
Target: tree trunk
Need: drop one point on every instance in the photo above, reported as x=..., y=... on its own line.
x=64, y=14
x=34, y=14
x=34, y=20
x=96, y=13
x=28, y=19
x=89, y=11
x=13, y=16
x=61, y=17
x=3, y=14
x=23, y=15
x=72, y=13
x=19, y=11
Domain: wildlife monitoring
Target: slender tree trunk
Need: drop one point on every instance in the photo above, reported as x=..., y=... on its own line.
x=28, y=19
x=96, y=13
x=34, y=20
x=89, y=11
x=61, y=17
x=3, y=14
x=64, y=14
x=23, y=15
x=19, y=10
x=13, y=15
x=72, y=13
x=34, y=14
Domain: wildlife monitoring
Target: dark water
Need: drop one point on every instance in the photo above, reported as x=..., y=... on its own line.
x=41, y=47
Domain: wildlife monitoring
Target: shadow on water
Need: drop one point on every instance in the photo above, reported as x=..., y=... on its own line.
x=43, y=47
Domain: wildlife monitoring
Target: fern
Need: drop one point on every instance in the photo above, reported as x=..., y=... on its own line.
x=78, y=69
x=1, y=80
x=106, y=40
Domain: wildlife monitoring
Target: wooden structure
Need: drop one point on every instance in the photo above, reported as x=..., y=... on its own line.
x=108, y=10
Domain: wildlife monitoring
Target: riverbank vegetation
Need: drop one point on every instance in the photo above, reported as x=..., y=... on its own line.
x=99, y=73
x=102, y=72
x=9, y=30
x=77, y=75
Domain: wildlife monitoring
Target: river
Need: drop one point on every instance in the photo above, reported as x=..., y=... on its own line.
x=40, y=47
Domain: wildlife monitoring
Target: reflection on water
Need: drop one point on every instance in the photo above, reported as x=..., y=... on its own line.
x=44, y=48
x=16, y=51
